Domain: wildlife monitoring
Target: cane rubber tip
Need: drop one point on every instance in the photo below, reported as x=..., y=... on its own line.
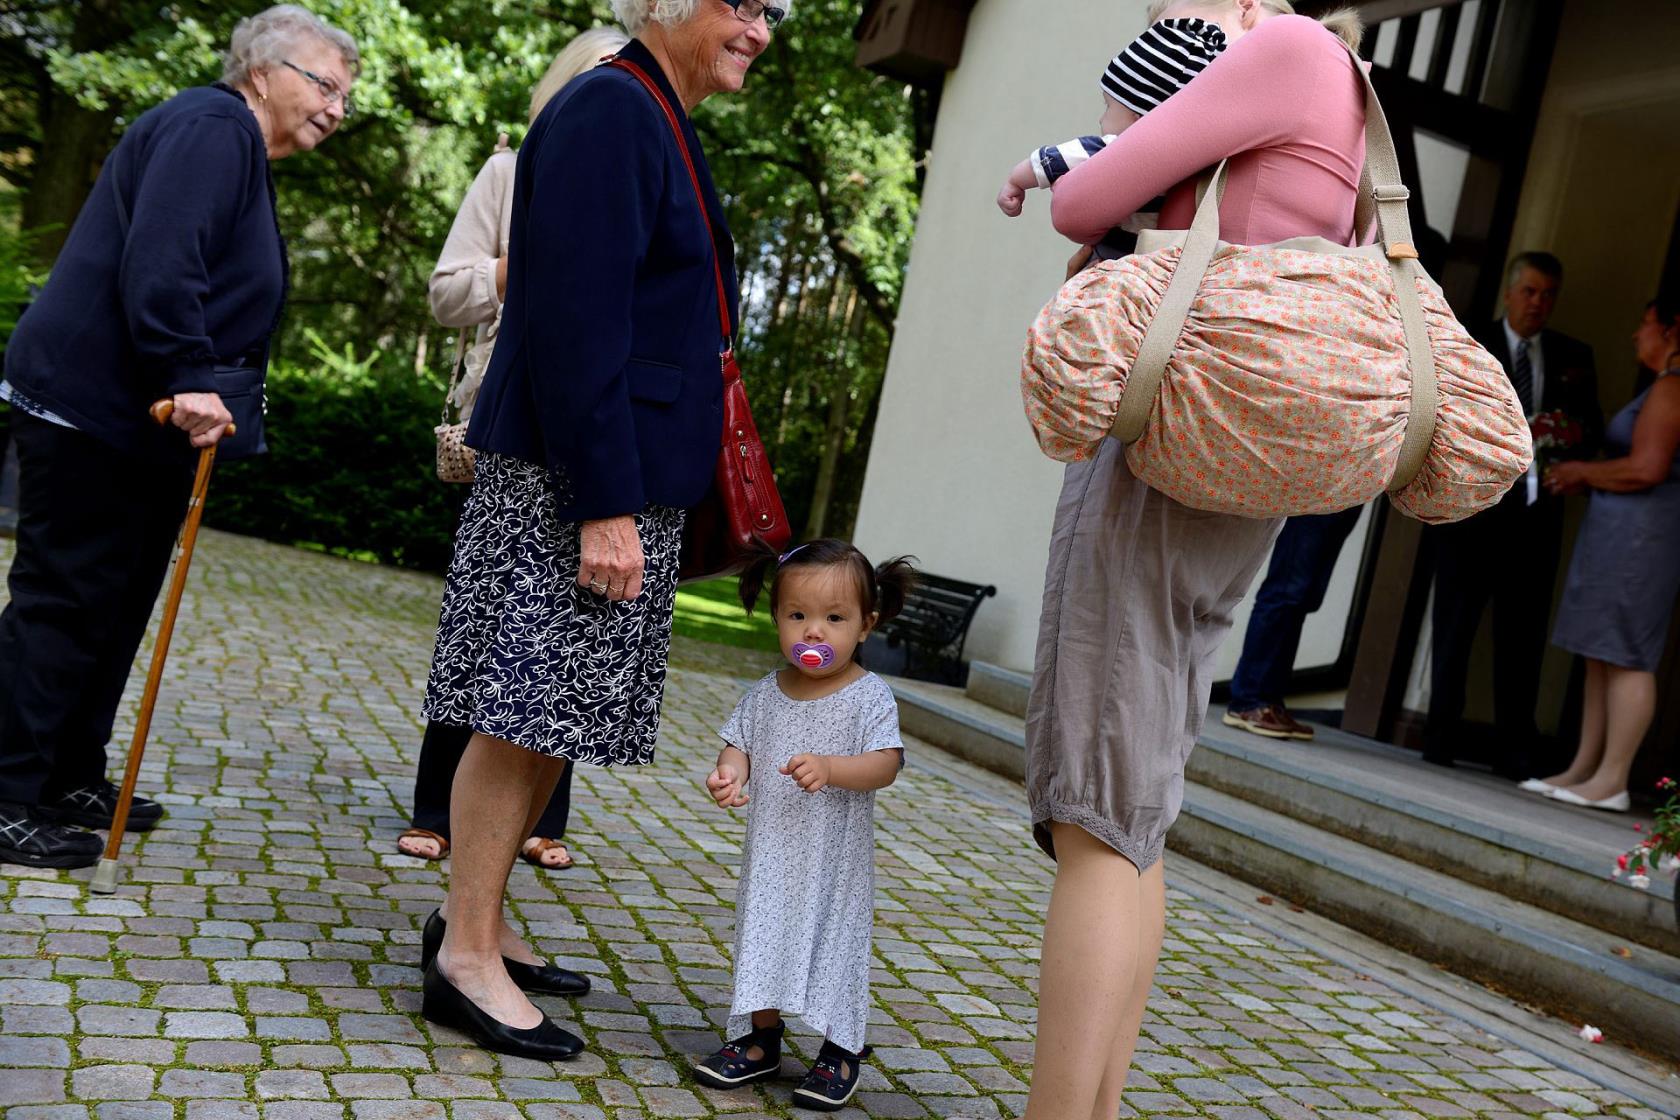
x=105, y=877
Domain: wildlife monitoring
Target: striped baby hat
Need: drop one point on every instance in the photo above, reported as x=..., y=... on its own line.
x=1161, y=61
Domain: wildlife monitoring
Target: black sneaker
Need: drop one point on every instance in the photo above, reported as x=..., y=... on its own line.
x=833, y=1079
x=730, y=1068
x=92, y=806
x=32, y=840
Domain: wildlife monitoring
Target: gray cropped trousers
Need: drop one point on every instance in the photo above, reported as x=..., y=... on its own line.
x=1138, y=597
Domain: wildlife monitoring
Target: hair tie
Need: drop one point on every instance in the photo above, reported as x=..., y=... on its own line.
x=788, y=555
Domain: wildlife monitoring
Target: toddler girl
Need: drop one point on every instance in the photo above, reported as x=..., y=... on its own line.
x=807, y=748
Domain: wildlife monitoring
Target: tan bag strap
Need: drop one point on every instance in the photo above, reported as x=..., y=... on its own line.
x=1380, y=190
x=455, y=372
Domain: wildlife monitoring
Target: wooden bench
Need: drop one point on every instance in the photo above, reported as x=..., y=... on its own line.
x=926, y=640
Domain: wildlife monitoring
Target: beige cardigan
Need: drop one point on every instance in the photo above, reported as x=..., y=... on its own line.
x=463, y=285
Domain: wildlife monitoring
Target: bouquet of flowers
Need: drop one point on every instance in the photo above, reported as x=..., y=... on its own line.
x=1661, y=847
x=1555, y=433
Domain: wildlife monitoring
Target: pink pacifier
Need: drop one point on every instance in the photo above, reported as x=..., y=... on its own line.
x=819, y=656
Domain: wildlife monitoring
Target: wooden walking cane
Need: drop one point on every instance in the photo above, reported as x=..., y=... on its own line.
x=105, y=876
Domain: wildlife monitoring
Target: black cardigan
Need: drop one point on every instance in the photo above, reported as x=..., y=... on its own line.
x=197, y=281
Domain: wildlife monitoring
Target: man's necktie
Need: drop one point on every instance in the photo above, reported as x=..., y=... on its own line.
x=1522, y=376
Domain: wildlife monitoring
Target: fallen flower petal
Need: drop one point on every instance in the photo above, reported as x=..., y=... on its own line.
x=1591, y=1033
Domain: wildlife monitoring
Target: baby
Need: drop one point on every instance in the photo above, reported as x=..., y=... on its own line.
x=1153, y=67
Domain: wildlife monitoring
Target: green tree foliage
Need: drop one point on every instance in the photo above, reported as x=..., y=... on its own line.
x=816, y=160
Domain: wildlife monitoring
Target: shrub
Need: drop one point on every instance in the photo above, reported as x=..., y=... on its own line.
x=351, y=463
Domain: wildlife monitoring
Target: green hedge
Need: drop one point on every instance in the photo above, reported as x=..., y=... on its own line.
x=351, y=467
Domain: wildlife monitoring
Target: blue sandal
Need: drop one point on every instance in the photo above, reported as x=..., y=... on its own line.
x=731, y=1068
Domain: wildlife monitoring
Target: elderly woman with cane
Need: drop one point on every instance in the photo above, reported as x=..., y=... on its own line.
x=174, y=268
x=598, y=425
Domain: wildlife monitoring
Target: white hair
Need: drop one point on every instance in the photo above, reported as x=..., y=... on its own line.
x=582, y=53
x=637, y=14
x=263, y=41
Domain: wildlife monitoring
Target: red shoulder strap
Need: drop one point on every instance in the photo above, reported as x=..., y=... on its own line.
x=694, y=178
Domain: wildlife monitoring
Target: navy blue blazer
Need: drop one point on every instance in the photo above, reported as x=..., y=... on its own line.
x=606, y=367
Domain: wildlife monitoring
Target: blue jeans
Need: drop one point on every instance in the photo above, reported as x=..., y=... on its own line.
x=1294, y=587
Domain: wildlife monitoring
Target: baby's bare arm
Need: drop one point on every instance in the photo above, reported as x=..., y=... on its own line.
x=1013, y=196
x=864, y=772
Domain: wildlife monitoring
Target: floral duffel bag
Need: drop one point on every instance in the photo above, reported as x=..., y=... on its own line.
x=1274, y=380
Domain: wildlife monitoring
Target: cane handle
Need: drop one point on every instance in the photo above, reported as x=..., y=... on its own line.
x=164, y=409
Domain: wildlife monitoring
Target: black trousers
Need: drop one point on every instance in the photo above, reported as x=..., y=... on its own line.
x=440, y=753
x=1506, y=556
x=96, y=528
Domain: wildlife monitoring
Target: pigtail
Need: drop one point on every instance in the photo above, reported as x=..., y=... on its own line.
x=753, y=578
x=893, y=581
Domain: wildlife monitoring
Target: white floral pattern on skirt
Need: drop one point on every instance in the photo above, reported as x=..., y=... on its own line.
x=526, y=654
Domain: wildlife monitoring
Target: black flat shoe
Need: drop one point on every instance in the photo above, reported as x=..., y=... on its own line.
x=731, y=1068
x=442, y=1003
x=31, y=839
x=543, y=979
x=94, y=805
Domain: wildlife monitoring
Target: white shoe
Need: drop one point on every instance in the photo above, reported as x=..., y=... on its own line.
x=1620, y=803
x=1535, y=785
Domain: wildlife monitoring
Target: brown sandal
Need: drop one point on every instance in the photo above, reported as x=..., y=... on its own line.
x=423, y=834
x=536, y=847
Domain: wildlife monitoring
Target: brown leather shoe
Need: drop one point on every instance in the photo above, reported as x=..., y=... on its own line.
x=1271, y=720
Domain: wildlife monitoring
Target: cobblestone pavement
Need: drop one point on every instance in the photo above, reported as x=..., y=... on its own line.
x=259, y=961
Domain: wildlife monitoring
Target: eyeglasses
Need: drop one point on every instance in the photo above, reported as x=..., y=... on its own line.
x=748, y=11
x=329, y=88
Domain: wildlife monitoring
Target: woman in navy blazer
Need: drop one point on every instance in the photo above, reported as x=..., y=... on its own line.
x=597, y=426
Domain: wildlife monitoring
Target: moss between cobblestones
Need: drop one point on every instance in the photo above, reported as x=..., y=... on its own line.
x=328, y=652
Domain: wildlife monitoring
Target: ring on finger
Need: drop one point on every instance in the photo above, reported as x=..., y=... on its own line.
x=598, y=587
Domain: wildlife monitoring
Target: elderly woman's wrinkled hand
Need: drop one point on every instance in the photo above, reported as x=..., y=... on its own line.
x=203, y=416
x=612, y=560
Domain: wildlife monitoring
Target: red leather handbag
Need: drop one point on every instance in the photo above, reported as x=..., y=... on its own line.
x=743, y=516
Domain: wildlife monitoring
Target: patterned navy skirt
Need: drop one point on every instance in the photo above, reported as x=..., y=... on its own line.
x=526, y=654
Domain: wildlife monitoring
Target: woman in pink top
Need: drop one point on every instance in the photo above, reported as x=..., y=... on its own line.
x=1140, y=589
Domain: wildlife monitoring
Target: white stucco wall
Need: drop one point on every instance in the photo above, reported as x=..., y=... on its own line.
x=954, y=475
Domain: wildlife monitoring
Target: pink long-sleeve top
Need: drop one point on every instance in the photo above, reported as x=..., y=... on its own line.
x=1284, y=103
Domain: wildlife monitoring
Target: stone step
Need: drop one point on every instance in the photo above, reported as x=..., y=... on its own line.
x=1471, y=826
x=1390, y=867
x=1000, y=688
x=949, y=718
x=1570, y=968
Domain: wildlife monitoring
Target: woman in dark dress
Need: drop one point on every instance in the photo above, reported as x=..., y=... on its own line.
x=1625, y=573
x=597, y=426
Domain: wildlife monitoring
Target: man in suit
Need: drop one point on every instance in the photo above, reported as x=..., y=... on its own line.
x=1508, y=555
